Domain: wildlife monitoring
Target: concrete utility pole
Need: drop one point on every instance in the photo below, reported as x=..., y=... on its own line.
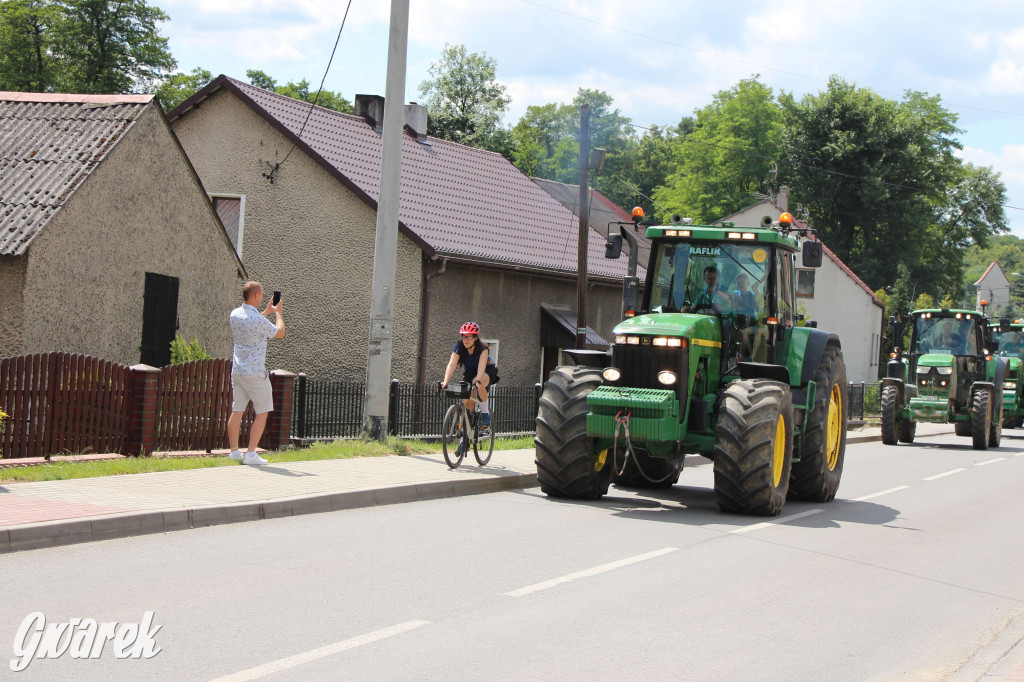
x=382, y=304
x=581, y=272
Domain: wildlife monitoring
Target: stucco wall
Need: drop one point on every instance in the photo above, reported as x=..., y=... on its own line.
x=140, y=211
x=840, y=305
x=506, y=305
x=307, y=235
x=12, y=278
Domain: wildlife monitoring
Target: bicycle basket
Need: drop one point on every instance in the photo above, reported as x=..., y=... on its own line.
x=459, y=390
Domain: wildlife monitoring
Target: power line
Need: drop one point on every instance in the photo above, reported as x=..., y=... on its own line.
x=737, y=60
x=316, y=98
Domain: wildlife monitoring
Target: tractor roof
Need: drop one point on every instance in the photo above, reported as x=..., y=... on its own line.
x=727, y=232
x=948, y=312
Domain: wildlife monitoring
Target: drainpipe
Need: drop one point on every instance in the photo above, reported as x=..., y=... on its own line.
x=425, y=324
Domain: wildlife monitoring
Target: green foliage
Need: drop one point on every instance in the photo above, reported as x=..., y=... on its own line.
x=301, y=91
x=728, y=157
x=465, y=101
x=180, y=86
x=183, y=351
x=81, y=46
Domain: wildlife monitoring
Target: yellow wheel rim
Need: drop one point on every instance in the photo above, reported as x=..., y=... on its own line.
x=779, y=457
x=602, y=457
x=834, y=435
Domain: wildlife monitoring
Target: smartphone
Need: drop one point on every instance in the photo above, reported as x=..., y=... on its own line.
x=277, y=297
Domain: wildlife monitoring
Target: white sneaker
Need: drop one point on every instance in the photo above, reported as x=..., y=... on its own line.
x=252, y=459
x=235, y=456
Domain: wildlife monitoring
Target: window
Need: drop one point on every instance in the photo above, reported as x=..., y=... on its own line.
x=784, y=281
x=805, y=283
x=231, y=210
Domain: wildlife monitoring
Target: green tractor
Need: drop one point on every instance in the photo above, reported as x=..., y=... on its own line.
x=1010, y=339
x=948, y=376
x=710, y=361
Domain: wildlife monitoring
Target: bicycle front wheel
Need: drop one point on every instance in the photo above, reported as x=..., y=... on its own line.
x=483, y=446
x=451, y=437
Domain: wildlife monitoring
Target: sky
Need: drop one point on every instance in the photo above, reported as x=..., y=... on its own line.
x=659, y=59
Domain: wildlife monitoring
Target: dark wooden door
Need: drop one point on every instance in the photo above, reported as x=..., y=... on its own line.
x=159, y=319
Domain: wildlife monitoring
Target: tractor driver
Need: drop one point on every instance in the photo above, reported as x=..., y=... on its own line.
x=711, y=296
x=948, y=339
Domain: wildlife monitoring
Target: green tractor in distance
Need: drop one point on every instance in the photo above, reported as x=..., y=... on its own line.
x=1010, y=339
x=710, y=361
x=948, y=376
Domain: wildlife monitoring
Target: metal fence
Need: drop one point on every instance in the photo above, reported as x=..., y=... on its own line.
x=328, y=409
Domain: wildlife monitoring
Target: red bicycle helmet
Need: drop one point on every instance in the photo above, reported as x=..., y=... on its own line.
x=470, y=328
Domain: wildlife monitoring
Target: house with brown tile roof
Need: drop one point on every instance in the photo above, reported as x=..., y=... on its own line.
x=108, y=243
x=993, y=287
x=477, y=239
x=833, y=296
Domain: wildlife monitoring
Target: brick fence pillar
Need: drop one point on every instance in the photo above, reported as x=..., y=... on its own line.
x=141, y=436
x=279, y=421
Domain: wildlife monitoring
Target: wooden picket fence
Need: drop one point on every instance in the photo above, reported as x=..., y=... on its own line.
x=62, y=402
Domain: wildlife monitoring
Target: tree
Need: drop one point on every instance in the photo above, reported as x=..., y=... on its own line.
x=108, y=47
x=727, y=158
x=180, y=86
x=25, y=63
x=300, y=91
x=465, y=101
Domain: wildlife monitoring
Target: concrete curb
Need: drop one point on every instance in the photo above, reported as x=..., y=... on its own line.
x=128, y=524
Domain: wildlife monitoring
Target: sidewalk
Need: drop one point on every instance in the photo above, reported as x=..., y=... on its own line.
x=51, y=513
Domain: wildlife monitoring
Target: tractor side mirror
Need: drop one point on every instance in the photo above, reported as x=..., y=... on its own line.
x=812, y=254
x=613, y=247
x=1004, y=325
x=993, y=346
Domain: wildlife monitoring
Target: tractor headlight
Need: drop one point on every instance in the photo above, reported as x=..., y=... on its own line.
x=611, y=374
x=666, y=377
x=944, y=370
x=620, y=338
x=923, y=370
x=1011, y=385
x=667, y=341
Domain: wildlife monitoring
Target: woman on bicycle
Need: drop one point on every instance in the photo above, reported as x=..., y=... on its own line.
x=477, y=367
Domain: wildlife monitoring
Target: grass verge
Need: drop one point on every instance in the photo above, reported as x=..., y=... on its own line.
x=341, y=449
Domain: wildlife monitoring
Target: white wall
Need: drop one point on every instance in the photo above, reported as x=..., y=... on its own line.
x=842, y=306
x=994, y=288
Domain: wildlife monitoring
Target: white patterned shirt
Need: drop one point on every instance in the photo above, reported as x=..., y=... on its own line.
x=250, y=331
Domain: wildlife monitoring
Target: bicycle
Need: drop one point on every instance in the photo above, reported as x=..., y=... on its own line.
x=462, y=428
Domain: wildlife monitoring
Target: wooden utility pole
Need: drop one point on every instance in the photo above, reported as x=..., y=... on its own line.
x=581, y=273
x=382, y=302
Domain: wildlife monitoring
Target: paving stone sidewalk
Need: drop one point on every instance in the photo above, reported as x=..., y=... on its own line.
x=50, y=513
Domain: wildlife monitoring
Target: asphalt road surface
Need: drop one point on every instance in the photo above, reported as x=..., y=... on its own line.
x=915, y=568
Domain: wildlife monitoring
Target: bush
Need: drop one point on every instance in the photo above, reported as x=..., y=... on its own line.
x=183, y=351
x=3, y=420
x=872, y=400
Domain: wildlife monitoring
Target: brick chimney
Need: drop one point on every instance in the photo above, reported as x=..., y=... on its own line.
x=783, y=199
x=371, y=108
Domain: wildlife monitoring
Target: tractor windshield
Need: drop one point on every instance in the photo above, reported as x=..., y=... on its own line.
x=1011, y=343
x=712, y=278
x=947, y=335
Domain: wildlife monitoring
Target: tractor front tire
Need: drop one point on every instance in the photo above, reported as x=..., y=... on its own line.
x=962, y=428
x=889, y=394
x=906, y=429
x=567, y=465
x=816, y=476
x=981, y=418
x=754, y=447
x=664, y=470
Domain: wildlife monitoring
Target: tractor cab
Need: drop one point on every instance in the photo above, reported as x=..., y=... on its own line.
x=1009, y=340
x=948, y=350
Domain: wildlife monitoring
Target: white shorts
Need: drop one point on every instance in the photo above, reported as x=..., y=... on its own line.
x=254, y=388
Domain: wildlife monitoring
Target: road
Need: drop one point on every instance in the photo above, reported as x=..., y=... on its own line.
x=915, y=569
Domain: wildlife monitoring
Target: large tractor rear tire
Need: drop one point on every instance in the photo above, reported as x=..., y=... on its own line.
x=754, y=447
x=823, y=446
x=981, y=418
x=889, y=395
x=995, y=429
x=567, y=465
x=664, y=470
x=906, y=429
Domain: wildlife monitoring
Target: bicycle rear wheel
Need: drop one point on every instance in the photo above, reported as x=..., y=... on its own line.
x=483, y=446
x=451, y=437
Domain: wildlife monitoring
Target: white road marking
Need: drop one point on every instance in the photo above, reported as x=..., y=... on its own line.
x=884, y=492
x=989, y=461
x=781, y=519
x=590, y=572
x=329, y=650
x=944, y=474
